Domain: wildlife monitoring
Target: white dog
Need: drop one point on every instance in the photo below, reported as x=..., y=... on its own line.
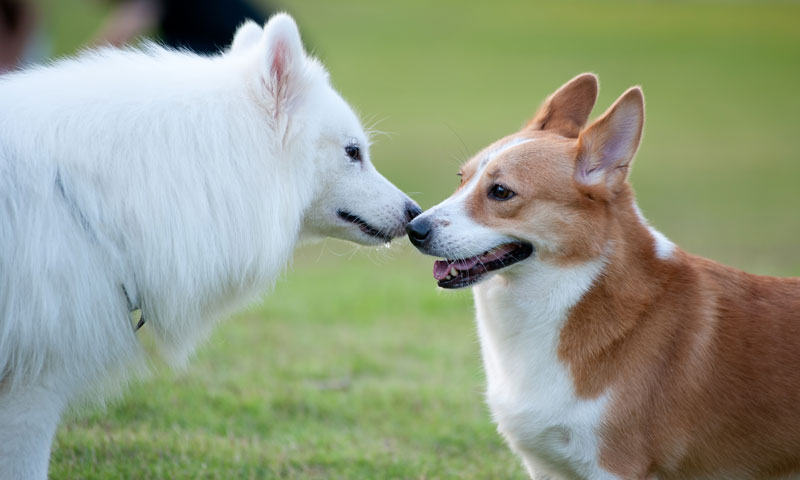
x=167, y=186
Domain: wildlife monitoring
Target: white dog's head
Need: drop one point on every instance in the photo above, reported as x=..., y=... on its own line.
x=314, y=125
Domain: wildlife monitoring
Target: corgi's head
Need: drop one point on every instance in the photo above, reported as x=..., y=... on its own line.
x=315, y=130
x=549, y=192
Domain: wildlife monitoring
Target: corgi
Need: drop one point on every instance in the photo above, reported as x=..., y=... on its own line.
x=168, y=187
x=609, y=352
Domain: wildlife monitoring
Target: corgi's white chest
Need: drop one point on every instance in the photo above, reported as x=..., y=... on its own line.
x=529, y=391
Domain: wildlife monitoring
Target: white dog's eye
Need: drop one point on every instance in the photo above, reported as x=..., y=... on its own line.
x=353, y=152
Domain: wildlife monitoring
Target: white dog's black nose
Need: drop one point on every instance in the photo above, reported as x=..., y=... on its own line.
x=419, y=231
x=412, y=211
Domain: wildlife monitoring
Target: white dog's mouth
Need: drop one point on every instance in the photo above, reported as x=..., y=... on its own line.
x=365, y=227
x=467, y=271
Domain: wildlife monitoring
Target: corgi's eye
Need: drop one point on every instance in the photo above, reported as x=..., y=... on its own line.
x=500, y=192
x=460, y=177
x=353, y=152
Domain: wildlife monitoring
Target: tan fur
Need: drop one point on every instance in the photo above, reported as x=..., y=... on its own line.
x=703, y=360
x=566, y=111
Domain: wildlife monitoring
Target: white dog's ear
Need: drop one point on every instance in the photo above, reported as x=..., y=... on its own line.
x=247, y=35
x=284, y=68
x=606, y=148
x=567, y=110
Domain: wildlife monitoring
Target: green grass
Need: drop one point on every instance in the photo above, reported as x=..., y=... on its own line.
x=356, y=366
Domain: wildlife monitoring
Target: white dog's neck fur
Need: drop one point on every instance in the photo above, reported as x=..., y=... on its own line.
x=520, y=314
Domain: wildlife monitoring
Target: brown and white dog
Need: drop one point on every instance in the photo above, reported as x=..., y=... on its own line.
x=609, y=352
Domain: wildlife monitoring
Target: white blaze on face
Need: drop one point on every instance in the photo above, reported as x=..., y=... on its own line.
x=470, y=187
x=455, y=233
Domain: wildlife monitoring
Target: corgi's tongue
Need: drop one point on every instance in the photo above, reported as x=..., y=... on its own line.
x=442, y=267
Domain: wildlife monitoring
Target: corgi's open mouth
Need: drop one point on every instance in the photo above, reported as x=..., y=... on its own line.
x=467, y=271
x=362, y=225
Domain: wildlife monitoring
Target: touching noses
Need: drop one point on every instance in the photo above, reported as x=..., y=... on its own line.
x=412, y=211
x=418, y=231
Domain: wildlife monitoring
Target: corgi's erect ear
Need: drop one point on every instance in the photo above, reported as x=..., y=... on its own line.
x=606, y=148
x=567, y=110
x=246, y=36
x=283, y=71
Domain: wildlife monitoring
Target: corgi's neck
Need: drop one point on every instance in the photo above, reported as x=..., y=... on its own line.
x=644, y=274
x=540, y=293
x=574, y=312
x=519, y=318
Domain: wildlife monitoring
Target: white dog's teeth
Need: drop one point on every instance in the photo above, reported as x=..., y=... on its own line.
x=453, y=272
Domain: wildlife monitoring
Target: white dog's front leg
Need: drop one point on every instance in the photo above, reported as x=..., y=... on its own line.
x=28, y=420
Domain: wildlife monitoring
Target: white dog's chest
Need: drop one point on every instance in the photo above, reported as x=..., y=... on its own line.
x=529, y=391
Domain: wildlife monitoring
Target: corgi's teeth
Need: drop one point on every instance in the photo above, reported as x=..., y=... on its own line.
x=453, y=272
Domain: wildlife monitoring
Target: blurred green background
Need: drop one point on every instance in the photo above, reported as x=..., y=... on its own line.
x=356, y=366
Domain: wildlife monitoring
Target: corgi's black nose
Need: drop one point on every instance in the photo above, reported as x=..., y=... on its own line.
x=412, y=211
x=419, y=231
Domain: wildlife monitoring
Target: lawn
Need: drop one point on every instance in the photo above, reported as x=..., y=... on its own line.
x=355, y=366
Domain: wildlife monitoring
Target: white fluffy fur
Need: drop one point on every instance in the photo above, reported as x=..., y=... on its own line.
x=186, y=179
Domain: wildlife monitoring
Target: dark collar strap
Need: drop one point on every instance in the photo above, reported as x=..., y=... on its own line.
x=135, y=311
